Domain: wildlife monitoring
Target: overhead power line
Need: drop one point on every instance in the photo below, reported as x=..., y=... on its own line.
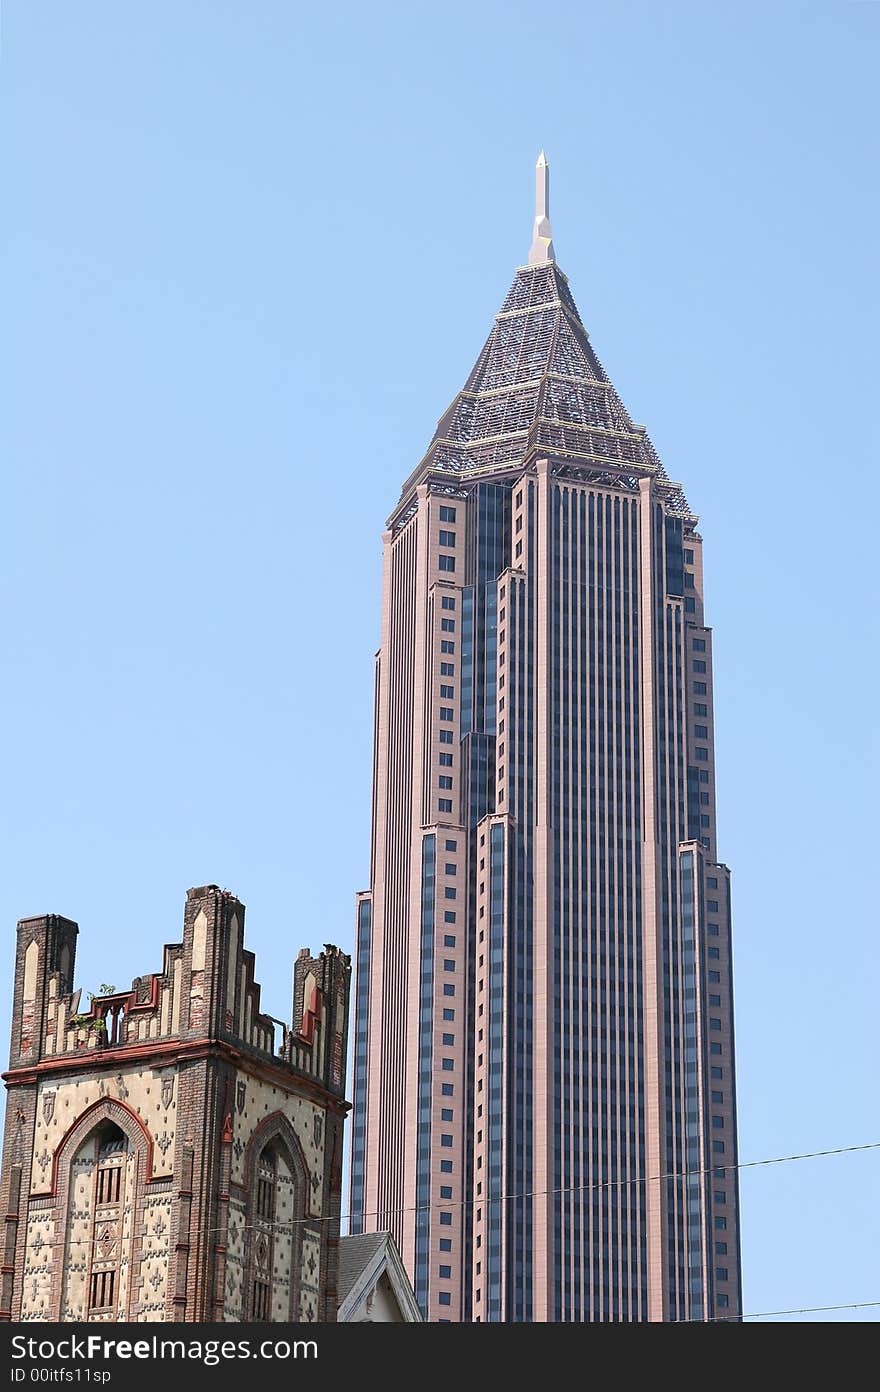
x=446, y=1205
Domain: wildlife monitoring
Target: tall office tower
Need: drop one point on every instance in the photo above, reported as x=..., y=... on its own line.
x=544, y=1071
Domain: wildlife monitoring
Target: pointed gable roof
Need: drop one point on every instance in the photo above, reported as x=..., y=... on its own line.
x=538, y=388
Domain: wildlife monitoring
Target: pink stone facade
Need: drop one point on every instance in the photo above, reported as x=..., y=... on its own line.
x=545, y=1094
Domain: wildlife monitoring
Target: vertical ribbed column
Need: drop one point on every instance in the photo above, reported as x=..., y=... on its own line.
x=389, y=1191
x=361, y=1067
x=543, y=984
x=697, y=1136
x=652, y=929
x=421, y=857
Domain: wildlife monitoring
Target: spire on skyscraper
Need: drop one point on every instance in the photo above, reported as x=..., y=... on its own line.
x=538, y=388
x=542, y=236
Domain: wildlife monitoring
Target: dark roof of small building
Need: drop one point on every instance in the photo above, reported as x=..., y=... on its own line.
x=355, y=1254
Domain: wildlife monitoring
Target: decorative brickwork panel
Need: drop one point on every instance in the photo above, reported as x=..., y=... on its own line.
x=235, y=1260
x=310, y=1276
x=151, y=1093
x=41, y=1261
x=129, y=1219
x=157, y=1213
x=286, y=1214
x=77, y=1229
x=256, y=1100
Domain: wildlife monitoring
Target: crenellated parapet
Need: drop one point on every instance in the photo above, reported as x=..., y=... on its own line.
x=206, y=988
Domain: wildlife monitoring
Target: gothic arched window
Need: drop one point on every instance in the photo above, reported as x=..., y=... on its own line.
x=109, y=1201
x=276, y=1209
x=98, y=1235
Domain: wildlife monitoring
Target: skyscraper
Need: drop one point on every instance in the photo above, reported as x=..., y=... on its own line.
x=544, y=1073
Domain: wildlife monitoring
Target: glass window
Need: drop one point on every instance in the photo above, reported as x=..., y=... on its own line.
x=447, y=669
x=452, y=845
x=445, y=1140
x=699, y=645
x=448, y=602
x=723, y=1301
x=698, y=666
x=445, y=1297
x=445, y=736
x=447, y=645
x=445, y=1272
x=447, y=1065
x=448, y=1014
x=447, y=625
x=447, y=538
x=720, y=1223
x=447, y=713
x=449, y=892
x=445, y=782
x=445, y=804
x=446, y=1089
x=699, y=688
x=446, y=1220
x=446, y=761
x=447, y=514
x=446, y=562
x=449, y=940
x=445, y=1244
x=701, y=731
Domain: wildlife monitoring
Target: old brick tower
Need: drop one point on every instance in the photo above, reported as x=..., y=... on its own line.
x=165, y=1156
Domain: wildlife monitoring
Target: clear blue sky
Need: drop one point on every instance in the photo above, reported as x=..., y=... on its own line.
x=249, y=253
